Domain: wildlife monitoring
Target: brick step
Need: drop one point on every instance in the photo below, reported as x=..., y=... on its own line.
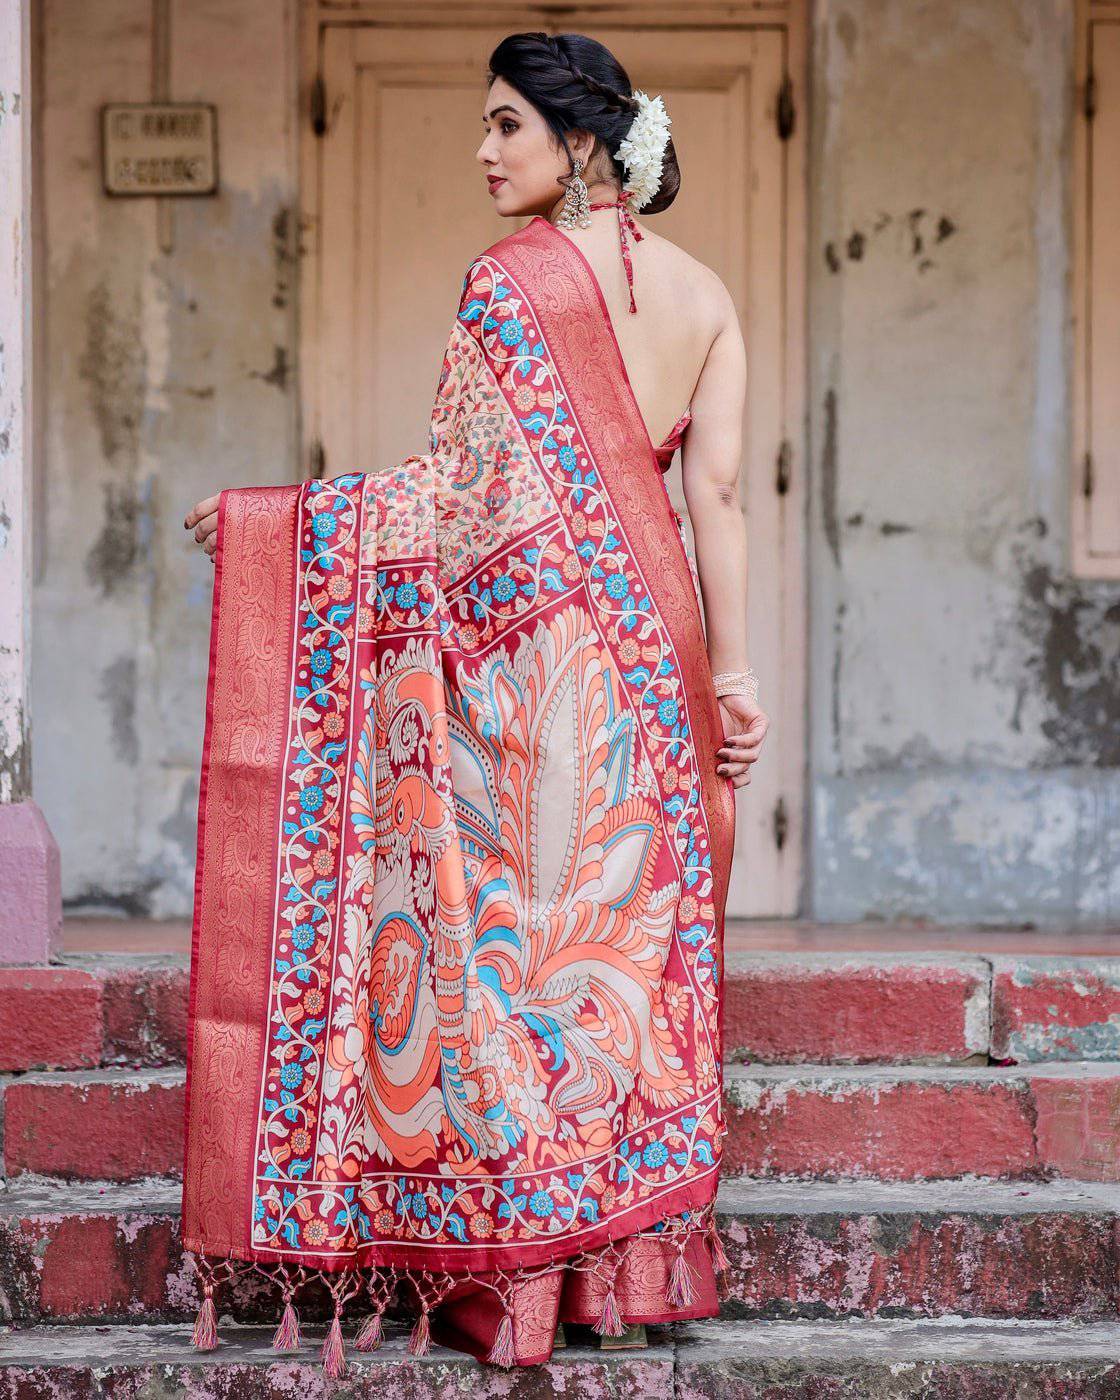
x=94, y=1253
x=813, y=1121
x=103, y=1010
x=722, y=1360
x=780, y=1008
x=913, y=1123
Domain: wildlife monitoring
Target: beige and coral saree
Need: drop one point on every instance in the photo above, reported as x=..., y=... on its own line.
x=462, y=862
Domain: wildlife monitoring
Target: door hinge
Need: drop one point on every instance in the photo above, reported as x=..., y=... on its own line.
x=319, y=106
x=781, y=823
x=1090, y=96
x=785, y=466
x=1087, y=475
x=787, y=112
x=317, y=461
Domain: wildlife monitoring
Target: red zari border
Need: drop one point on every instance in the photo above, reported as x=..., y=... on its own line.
x=251, y=631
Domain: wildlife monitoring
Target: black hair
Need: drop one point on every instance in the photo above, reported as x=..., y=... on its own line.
x=577, y=83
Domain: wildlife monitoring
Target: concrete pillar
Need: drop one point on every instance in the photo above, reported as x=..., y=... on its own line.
x=30, y=891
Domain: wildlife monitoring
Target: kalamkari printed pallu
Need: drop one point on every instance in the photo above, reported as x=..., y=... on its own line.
x=463, y=854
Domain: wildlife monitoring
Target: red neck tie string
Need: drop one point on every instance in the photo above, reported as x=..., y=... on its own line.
x=626, y=225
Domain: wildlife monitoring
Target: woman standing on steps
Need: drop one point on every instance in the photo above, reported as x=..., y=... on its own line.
x=467, y=810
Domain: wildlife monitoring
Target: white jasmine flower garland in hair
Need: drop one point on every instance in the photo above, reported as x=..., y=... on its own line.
x=643, y=148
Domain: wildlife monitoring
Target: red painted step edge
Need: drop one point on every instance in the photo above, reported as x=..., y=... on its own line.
x=50, y=1018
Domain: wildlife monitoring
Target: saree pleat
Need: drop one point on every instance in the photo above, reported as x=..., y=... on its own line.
x=455, y=1019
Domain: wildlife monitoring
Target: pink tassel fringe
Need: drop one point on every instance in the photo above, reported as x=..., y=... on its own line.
x=420, y=1343
x=334, y=1353
x=501, y=1353
x=719, y=1258
x=610, y=1324
x=369, y=1338
x=206, y=1325
x=681, y=1294
x=287, y=1336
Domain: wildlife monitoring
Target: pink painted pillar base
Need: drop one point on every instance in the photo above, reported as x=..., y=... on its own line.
x=31, y=886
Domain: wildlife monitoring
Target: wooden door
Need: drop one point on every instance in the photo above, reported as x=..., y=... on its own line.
x=398, y=208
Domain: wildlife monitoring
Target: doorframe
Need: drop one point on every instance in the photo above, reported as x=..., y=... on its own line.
x=791, y=17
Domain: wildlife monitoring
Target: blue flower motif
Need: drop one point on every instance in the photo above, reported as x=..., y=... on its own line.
x=655, y=1155
x=419, y=1206
x=504, y=588
x=512, y=331
x=324, y=524
x=540, y=1203
x=617, y=585
x=258, y=1208
x=311, y=798
x=568, y=457
x=668, y=711
x=321, y=661
x=407, y=595
x=303, y=935
x=291, y=1075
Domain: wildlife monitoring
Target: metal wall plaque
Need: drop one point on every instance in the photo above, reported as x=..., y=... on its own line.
x=159, y=148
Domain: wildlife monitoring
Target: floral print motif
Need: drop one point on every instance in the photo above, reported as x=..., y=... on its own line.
x=492, y=1005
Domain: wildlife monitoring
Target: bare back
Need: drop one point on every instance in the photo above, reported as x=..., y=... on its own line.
x=682, y=309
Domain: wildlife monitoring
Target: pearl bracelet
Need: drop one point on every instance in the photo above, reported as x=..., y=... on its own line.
x=736, y=683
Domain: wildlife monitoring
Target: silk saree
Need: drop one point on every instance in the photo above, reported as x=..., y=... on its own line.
x=463, y=851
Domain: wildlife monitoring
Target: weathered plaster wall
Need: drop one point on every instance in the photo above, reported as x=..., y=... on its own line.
x=964, y=696
x=171, y=375
x=966, y=690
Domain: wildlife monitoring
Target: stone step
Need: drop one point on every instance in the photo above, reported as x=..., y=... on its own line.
x=813, y=1121
x=108, y=1252
x=890, y=1360
x=780, y=1008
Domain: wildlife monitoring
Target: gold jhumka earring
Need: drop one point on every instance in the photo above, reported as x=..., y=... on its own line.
x=576, y=210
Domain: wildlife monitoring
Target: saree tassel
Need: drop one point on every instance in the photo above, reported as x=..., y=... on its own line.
x=333, y=1355
x=501, y=1353
x=369, y=1338
x=681, y=1294
x=719, y=1260
x=610, y=1324
x=420, y=1342
x=287, y=1336
x=205, y=1335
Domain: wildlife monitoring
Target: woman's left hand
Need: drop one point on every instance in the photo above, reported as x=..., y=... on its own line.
x=744, y=728
x=203, y=520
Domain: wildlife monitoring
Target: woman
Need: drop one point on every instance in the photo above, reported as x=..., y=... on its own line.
x=467, y=812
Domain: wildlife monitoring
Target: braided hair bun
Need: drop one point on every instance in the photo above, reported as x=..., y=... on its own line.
x=576, y=83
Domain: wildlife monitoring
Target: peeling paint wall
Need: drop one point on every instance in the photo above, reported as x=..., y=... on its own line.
x=966, y=689
x=170, y=376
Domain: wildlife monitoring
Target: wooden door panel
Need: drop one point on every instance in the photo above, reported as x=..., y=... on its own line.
x=400, y=208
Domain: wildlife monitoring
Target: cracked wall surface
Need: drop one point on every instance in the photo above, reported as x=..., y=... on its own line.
x=171, y=375
x=963, y=688
x=966, y=706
